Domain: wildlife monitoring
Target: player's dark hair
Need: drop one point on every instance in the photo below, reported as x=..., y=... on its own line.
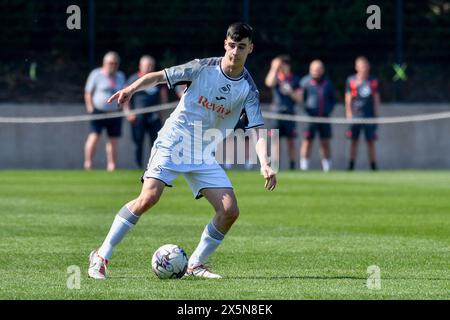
x=240, y=30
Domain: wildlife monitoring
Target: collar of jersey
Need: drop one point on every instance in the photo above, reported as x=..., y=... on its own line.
x=228, y=77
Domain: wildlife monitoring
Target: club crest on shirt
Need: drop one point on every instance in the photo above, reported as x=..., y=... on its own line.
x=225, y=89
x=364, y=91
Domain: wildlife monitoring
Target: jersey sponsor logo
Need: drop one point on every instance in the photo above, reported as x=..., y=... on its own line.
x=225, y=89
x=221, y=110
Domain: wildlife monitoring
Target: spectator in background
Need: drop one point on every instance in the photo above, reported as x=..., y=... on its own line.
x=148, y=122
x=101, y=84
x=318, y=98
x=362, y=100
x=286, y=94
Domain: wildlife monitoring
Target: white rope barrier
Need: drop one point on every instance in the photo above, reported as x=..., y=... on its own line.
x=267, y=115
x=87, y=117
x=380, y=120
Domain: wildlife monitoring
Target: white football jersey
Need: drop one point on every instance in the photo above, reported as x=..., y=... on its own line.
x=212, y=100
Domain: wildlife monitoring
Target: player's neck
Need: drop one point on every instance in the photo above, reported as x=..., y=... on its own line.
x=107, y=73
x=362, y=77
x=230, y=70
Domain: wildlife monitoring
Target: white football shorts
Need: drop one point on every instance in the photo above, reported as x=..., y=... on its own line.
x=198, y=176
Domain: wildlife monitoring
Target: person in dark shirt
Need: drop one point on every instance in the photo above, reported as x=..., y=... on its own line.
x=318, y=100
x=286, y=94
x=148, y=122
x=362, y=100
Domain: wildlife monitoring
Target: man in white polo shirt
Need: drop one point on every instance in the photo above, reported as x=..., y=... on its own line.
x=100, y=85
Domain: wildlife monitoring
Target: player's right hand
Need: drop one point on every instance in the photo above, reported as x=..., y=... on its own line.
x=123, y=96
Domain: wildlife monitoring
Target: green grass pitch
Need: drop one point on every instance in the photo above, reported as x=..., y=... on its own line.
x=312, y=238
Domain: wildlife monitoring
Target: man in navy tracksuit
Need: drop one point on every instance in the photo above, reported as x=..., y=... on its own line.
x=318, y=99
x=148, y=122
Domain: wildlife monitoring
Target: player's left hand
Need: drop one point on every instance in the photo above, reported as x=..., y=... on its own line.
x=270, y=177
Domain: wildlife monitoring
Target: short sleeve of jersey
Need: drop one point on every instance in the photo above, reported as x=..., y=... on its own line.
x=303, y=82
x=90, y=83
x=374, y=85
x=296, y=83
x=253, y=110
x=183, y=73
x=347, y=85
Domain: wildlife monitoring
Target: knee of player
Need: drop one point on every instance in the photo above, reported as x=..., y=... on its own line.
x=148, y=199
x=230, y=212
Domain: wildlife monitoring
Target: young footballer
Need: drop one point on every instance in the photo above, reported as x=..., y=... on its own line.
x=219, y=91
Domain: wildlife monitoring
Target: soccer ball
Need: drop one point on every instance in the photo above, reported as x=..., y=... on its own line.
x=169, y=261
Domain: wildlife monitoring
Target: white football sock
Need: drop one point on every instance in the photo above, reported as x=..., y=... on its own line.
x=210, y=240
x=304, y=164
x=123, y=222
x=326, y=165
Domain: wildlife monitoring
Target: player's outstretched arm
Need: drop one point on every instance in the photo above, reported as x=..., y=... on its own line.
x=266, y=170
x=149, y=80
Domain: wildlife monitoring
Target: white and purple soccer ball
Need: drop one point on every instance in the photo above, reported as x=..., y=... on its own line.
x=169, y=262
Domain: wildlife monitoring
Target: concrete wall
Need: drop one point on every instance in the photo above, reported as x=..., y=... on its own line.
x=421, y=145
